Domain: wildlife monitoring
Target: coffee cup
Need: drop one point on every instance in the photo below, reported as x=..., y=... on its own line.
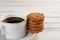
x=13, y=29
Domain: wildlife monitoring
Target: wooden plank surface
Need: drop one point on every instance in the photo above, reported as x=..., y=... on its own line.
x=48, y=34
x=50, y=8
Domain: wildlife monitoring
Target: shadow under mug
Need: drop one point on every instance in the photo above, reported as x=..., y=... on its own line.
x=13, y=30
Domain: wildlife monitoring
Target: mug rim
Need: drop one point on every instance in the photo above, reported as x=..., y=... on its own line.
x=15, y=23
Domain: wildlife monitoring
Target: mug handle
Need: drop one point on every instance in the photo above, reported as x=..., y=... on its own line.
x=2, y=28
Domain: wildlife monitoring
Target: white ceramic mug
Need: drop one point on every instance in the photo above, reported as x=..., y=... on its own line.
x=13, y=30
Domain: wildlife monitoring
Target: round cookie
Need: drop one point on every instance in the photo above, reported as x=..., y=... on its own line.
x=32, y=28
x=36, y=24
x=35, y=16
x=36, y=31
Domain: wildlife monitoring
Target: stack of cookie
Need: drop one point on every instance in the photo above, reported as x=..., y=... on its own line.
x=35, y=22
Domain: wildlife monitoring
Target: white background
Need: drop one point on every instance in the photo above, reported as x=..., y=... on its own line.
x=50, y=8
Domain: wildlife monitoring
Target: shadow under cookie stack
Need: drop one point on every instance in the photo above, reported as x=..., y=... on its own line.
x=35, y=22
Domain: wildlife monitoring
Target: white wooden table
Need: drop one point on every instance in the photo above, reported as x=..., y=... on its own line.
x=51, y=9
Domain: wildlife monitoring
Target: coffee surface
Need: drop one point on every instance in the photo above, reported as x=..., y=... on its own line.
x=13, y=20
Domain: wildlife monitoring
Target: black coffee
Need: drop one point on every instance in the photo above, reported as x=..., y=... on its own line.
x=13, y=20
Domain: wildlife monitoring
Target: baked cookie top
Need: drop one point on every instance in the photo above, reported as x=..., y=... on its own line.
x=35, y=16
